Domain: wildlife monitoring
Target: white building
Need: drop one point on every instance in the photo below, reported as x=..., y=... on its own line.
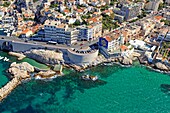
x=167, y=15
x=60, y=33
x=85, y=33
x=167, y=38
x=137, y=43
x=79, y=2
x=1, y=14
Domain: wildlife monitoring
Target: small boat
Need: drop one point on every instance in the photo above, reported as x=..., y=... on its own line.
x=1, y=57
x=88, y=77
x=6, y=59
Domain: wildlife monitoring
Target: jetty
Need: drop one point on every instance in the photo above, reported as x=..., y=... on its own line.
x=6, y=90
x=20, y=72
x=20, y=56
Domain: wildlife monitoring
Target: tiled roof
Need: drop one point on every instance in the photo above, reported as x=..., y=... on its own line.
x=108, y=38
x=158, y=17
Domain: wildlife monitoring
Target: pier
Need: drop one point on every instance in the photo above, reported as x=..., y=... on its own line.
x=20, y=72
x=7, y=89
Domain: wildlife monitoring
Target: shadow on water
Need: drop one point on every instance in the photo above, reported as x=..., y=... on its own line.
x=30, y=109
x=28, y=92
x=165, y=88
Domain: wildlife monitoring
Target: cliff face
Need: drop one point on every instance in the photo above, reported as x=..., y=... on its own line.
x=45, y=56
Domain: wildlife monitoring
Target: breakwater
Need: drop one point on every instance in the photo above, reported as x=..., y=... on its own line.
x=20, y=72
x=4, y=91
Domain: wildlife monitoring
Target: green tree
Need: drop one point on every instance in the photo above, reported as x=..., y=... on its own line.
x=6, y=4
x=77, y=23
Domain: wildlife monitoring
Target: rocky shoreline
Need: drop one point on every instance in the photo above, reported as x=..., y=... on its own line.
x=20, y=56
x=52, y=57
x=20, y=72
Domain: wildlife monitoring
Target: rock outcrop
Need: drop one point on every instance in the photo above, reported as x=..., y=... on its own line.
x=125, y=61
x=45, y=56
x=143, y=60
x=21, y=70
x=161, y=66
x=45, y=74
x=19, y=55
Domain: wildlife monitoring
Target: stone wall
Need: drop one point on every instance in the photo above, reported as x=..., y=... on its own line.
x=80, y=59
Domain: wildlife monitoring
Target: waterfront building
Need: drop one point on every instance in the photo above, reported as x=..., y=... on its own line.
x=110, y=45
x=85, y=32
x=59, y=32
x=112, y=42
x=26, y=33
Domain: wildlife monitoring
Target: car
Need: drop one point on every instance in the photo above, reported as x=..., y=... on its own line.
x=52, y=42
x=26, y=41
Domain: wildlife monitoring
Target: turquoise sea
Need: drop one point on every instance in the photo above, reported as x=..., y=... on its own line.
x=134, y=89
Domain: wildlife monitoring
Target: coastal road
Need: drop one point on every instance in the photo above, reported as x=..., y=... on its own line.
x=44, y=44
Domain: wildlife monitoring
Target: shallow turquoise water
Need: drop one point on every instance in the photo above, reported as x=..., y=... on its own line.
x=120, y=90
x=4, y=76
x=34, y=63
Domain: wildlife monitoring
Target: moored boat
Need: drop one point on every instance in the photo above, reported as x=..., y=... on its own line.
x=1, y=57
x=6, y=59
